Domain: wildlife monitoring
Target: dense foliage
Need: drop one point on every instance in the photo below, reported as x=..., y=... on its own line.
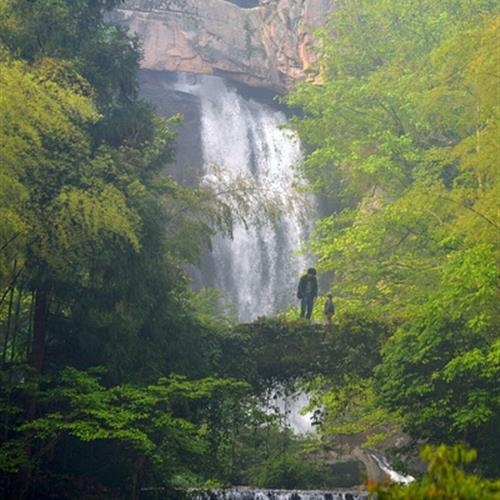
x=401, y=125
x=116, y=437
x=93, y=236
x=445, y=479
x=111, y=369
x=115, y=376
x=279, y=351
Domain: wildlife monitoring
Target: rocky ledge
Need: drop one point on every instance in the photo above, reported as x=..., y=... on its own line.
x=268, y=45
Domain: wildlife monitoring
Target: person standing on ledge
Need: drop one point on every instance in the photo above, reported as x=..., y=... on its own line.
x=307, y=292
x=329, y=309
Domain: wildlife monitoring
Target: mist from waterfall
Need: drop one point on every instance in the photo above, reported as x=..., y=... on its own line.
x=258, y=268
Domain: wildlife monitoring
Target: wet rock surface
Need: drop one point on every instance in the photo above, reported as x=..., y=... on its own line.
x=263, y=44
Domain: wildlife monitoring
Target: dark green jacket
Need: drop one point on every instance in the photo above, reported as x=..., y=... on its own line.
x=302, y=290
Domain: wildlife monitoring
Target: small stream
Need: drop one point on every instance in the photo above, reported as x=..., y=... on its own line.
x=384, y=466
x=264, y=494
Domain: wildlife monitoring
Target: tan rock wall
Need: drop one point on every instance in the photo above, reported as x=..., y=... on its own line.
x=268, y=45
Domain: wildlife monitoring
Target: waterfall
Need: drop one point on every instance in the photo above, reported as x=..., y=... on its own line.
x=258, y=268
x=393, y=475
x=290, y=407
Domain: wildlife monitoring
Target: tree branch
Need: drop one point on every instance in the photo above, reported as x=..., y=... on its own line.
x=489, y=221
x=8, y=242
x=12, y=283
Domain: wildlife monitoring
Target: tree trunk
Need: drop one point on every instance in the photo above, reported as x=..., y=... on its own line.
x=23, y=486
x=136, y=479
x=16, y=327
x=39, y=331
x=7, y=328
x=30, y=327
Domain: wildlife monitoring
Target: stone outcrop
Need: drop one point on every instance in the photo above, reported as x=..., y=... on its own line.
x=268, y=45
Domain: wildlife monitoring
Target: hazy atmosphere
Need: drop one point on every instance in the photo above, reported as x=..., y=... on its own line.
x=249, y=249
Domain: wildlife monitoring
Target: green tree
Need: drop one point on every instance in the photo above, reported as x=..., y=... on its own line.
x=445, y=479
x=155, y=432
x=93, y=235
x=401, y=130
x=391, y=134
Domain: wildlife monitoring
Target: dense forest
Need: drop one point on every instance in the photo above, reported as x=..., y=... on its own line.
x=404, y=134
x=117, y=379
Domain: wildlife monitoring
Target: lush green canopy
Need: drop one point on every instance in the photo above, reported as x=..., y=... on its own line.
x=401, y=125
x=107, y=353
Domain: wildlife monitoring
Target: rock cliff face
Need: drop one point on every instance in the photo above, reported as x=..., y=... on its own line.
x=267, y=45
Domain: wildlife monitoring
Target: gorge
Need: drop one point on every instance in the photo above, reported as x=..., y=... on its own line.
x=157, y=210
x=219, y=65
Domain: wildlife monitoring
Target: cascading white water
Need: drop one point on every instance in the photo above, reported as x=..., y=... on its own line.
x=393, y=475
x=257, y=268
x=290, y=407
x=256, y=494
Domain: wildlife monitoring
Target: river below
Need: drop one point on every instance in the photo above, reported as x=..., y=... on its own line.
x=269, y=494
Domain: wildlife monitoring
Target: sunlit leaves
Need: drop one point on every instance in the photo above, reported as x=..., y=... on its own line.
x=404, y=131
x=402, y=128
x=446, y=478
x=55, y=202
x=141, y=419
